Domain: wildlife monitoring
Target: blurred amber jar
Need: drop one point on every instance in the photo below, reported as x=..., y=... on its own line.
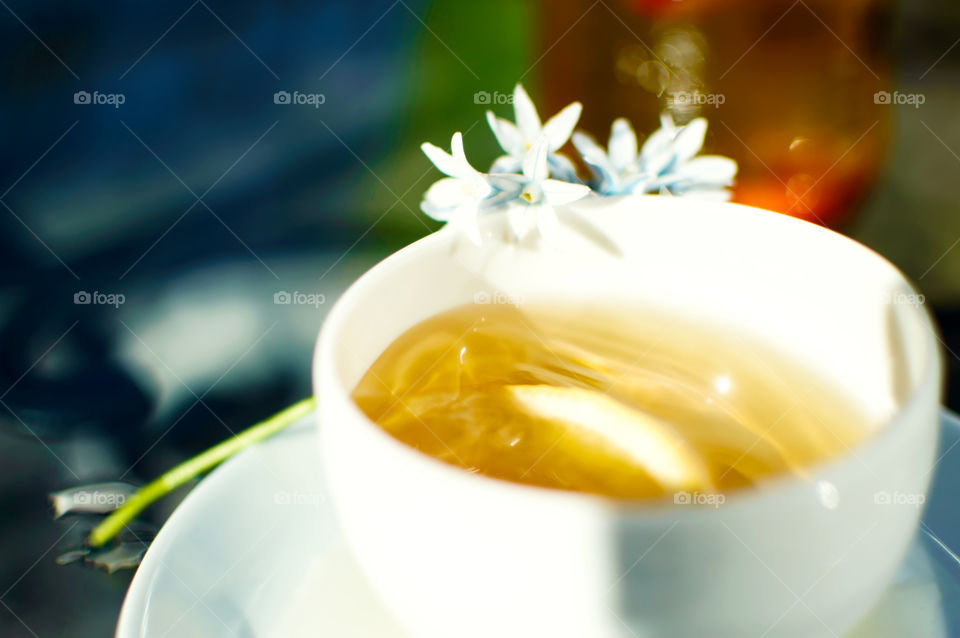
x=789, y=87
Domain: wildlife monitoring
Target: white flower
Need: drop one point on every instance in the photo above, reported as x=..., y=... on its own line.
x=520, y=182
x=667, y=162
x=456, y=199
x=517, y=139
x=532, y=195
x=617, y=169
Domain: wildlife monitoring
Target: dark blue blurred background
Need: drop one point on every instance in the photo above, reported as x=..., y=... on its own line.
x=197, y=199
x=202, y=196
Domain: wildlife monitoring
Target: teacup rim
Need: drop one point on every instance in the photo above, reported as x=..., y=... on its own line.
x=655, y=508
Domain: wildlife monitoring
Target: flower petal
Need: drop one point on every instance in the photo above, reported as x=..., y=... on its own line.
x=497, y=200
x=456, y=148
x=466, y=170
x=480, y=187
x=561, y=167
x=559, y=127
x=559, y=193
x=443, y=195
x=507, y=164
x=655, y=153
x=589, y=149
x=712, y=172
x=658, y=164
x=641, y=186
x=596, y=158
x=709, y=169
x=535, y=161
x=667, y=124
x=623, y=144
x=435, y=212
x=507, y=134
x=689, y=140
x=441, y=159
x=505, y=187
x=526, y=114
x=509, y=182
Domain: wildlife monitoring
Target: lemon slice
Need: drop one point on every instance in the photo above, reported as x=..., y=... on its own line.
x=599, y=421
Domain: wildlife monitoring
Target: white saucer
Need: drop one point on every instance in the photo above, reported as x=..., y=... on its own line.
x=255, y=552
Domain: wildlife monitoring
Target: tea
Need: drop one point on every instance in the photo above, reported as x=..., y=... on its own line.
x=624, y=402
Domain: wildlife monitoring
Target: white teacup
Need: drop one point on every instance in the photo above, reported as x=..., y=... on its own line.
x=455, y=554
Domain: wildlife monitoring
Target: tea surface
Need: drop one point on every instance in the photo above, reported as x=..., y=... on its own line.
x=618, y=401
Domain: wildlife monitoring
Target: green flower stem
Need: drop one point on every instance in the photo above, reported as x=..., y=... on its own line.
x=174, y=478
